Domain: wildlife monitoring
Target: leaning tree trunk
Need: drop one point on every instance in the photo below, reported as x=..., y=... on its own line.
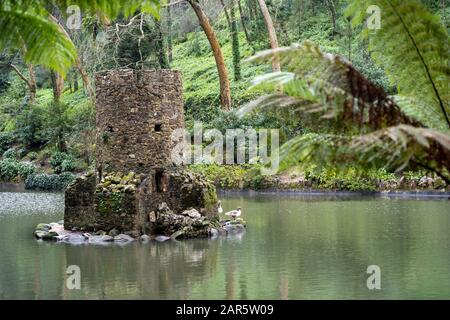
x=31, y=83
x=78, y=64
x=225, y=91
x=85, y=78
x=272, y=34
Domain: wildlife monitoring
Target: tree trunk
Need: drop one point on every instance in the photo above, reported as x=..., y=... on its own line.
x=235, y=43
x=162, y=58
x=57, y=85
x=169, y=31
x=333, y=15
x=227, y=16
x=75, y=81
x=78, y=65
x=31, y=83
x=272, y=34
x=241, y=14
x=225, y=91
x=69, y=81
x=85, y=77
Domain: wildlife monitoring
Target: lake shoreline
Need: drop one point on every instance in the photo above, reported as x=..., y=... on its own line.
x=309, y=192
x=419, y=194
x=12, y=187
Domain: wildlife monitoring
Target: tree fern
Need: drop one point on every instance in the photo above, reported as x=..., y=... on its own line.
x=413, y=48
x=394, y=148
x=322, y=82
x=376, y=129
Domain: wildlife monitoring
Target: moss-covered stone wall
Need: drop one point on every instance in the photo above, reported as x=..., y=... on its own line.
x=137, y=111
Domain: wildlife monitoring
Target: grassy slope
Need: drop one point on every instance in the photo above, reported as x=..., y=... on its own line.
x=200, y=80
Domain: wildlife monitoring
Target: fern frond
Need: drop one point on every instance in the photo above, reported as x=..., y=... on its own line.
x=404, y=145
x=413, y=48
x=40, y=39
x=25, y=25
x=112, y=9
x=314, y=148
x=397, y=148
x=414, y=108
x=106, y=8
x=330, y=85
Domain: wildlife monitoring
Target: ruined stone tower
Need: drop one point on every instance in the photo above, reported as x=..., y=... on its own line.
x=137, y=111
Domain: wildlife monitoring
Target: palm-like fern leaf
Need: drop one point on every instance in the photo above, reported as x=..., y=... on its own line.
x=40, y=38
x=413, y=48
x=403, y=145
x=328, y=84
x=107, y=8
x=394, y=147
x=25, y=25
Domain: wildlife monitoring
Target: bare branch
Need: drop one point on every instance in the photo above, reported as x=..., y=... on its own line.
x=20, y=74
x=173, y=3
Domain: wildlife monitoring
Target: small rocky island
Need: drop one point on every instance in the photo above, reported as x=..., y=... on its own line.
x=137, y=191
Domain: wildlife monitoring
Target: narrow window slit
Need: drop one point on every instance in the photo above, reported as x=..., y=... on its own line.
x=159, y=181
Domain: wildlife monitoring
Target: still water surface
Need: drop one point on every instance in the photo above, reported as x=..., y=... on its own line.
x=296, y=247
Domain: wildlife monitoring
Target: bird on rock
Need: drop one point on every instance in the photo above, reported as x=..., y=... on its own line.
x=234, y=213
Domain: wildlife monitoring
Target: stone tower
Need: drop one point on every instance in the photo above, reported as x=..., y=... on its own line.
x=137, y=111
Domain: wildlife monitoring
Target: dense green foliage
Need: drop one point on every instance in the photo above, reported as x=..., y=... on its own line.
x=49, y=182
x=56, y=134
x=413, y=48
x=26, y=25
x=365, y=125
x=11, y=169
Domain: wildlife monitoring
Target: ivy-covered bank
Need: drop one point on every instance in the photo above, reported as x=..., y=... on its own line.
x=249, y=177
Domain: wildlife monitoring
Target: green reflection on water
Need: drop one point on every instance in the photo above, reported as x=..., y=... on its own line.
x=295, y=248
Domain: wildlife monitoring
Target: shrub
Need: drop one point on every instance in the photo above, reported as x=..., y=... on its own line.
x=62, y=162
x=49, y=182
x=30, y=126
x=6, y=139
x=10, y=154
x=244, y=176
x=9, y=169
x=26, y=169
x=68, y=165
x=22, y=152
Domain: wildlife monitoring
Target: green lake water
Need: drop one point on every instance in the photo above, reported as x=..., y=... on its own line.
x=296, y=247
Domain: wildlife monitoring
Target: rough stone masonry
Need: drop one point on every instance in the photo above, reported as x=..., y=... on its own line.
x=136, y=188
